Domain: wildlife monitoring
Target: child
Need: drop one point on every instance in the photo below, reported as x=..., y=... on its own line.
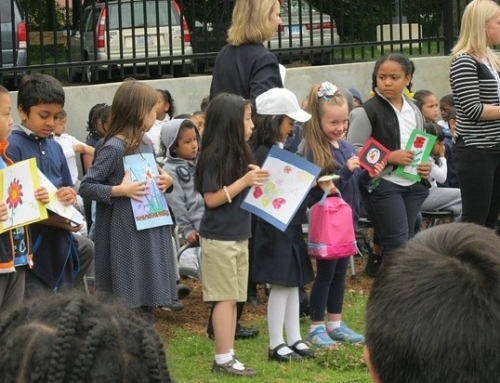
x=135, y=266
x=15, y=245
x=451, y=178
x=428, y=105
x=61, y=258
x=440, y=198
x=70, y=146
x=445, y=104
x=324, y=146
x=74, y=338
x=223, y=174
x=164, y=112
x=198, y=118
x=280, y=258
x=392, y=201
x=97, y=130
x=437, y=295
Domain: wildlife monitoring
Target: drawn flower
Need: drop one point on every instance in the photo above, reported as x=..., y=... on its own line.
x=277, y=202
x=257, y=192
x=15, y=193
x=419, y=142
x=287, y=169
x=149, y=174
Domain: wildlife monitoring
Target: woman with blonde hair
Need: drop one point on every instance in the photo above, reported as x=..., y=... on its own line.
x=475, y=83
x=244, y=66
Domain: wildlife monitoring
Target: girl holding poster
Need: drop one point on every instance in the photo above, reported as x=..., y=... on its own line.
x=280, y=258
x=324, y=146
x=392, y=201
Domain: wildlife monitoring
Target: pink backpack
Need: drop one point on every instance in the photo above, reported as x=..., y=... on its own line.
x=331, y=229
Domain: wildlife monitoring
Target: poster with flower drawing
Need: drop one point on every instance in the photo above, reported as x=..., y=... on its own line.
x=420, y=143
x=278, y=199
x=153, y=210
x=18, y=183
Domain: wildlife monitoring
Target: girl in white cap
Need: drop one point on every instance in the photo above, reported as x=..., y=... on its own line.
x=280, y=258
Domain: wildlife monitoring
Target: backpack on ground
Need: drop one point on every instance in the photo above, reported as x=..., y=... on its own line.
x=331, y=229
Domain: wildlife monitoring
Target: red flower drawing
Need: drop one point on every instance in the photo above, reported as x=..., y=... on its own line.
x=419, y=142
x=15, y=194
x=257, y=192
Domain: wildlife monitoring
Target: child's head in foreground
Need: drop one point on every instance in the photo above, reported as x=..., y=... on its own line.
x=75, y=338
x=434, y=309
x=5, y=113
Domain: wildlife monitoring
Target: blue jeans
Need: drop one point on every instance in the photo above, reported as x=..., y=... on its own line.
x=328, y=288
x=393, y=211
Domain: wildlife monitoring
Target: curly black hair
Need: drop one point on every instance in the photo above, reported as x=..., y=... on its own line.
x=74, y=338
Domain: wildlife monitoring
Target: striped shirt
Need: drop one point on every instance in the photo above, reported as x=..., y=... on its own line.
x=474, y=85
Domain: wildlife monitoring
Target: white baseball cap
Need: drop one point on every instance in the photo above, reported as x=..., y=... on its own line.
x=279, y=101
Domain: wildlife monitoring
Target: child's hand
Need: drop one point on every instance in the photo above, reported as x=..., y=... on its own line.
x=401, y=157
x=256, y=176
x=134, y=190
x=164, y=181
x=66, y=195
x=377, y=169
x=328, y=186
x=193, y=238
x=4, y=212
x=353, y=163
x=424, y=170
x=42, y=195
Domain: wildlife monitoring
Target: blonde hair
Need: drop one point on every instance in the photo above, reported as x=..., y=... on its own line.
x=472, y=38
x=316, y=142
x=132, y=101
x=250, y=23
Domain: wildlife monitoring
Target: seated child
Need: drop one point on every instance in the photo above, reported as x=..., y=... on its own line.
x=440, y=198
x=445, y=104
x=61, y=258
x=452, y=177
x=434, y=308
x=75, y=338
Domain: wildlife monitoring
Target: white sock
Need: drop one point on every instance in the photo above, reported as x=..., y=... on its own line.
x=315, y=326
x=223, y=358
x=276, y=307
x=332, y=325
x=292, y=317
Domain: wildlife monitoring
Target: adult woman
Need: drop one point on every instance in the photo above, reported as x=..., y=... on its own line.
x=244, y=66
x=475, y=84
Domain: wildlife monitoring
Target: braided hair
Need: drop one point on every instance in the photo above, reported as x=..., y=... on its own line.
x=407, y=65
x=74, y=338
x=93, y=117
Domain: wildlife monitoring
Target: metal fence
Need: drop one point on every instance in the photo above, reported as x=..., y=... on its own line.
x=99, y=41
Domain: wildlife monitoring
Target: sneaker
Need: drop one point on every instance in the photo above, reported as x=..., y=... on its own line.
x=373, y=264
x=175, y=306
x=345, y=334
x=229, y=369
x=319, y=338
x=182, y=291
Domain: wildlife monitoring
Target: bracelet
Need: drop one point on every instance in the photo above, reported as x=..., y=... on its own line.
x=229, y=200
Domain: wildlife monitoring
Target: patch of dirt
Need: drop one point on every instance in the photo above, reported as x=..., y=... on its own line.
x=194, y=317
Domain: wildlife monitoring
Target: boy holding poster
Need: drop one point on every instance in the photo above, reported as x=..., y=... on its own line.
x=15, y=245
x=280, y=257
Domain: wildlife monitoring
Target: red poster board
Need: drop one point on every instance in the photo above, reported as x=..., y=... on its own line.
x=372, y=153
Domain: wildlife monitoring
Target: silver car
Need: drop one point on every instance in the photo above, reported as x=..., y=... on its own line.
x=13, y=40
x=128, y=30
x=305, y=26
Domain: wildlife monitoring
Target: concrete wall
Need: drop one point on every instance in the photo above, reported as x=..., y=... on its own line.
x=431, y=74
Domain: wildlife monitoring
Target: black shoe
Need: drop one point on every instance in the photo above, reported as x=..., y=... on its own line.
x=305, y=353
x=182, y=291
x=245, y=332
x=290, y=357
x=373, y=264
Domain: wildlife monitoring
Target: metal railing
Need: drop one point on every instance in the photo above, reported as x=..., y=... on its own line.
x=119, y=38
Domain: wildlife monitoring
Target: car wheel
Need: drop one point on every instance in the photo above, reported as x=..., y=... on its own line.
x=73, y=75
x=181, y=71
x=154, y=71
x=322, y=58
x=200, y=66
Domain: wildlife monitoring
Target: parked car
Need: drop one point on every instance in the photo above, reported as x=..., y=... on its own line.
x=130, y=30
x=303, y=26
x=13, y=40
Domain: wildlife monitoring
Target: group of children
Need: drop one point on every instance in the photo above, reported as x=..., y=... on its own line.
x=208, y=167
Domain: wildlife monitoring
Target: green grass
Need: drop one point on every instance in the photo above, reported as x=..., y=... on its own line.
x=190, y=355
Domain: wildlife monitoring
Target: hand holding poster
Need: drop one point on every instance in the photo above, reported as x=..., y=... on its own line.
x=278, y=199
x=420, y=143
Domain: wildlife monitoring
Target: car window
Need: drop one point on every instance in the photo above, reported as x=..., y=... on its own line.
x=295, y=5
x=5, y=12
x=144, y=13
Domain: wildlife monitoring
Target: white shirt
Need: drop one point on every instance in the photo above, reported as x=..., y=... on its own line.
x=67, y=142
